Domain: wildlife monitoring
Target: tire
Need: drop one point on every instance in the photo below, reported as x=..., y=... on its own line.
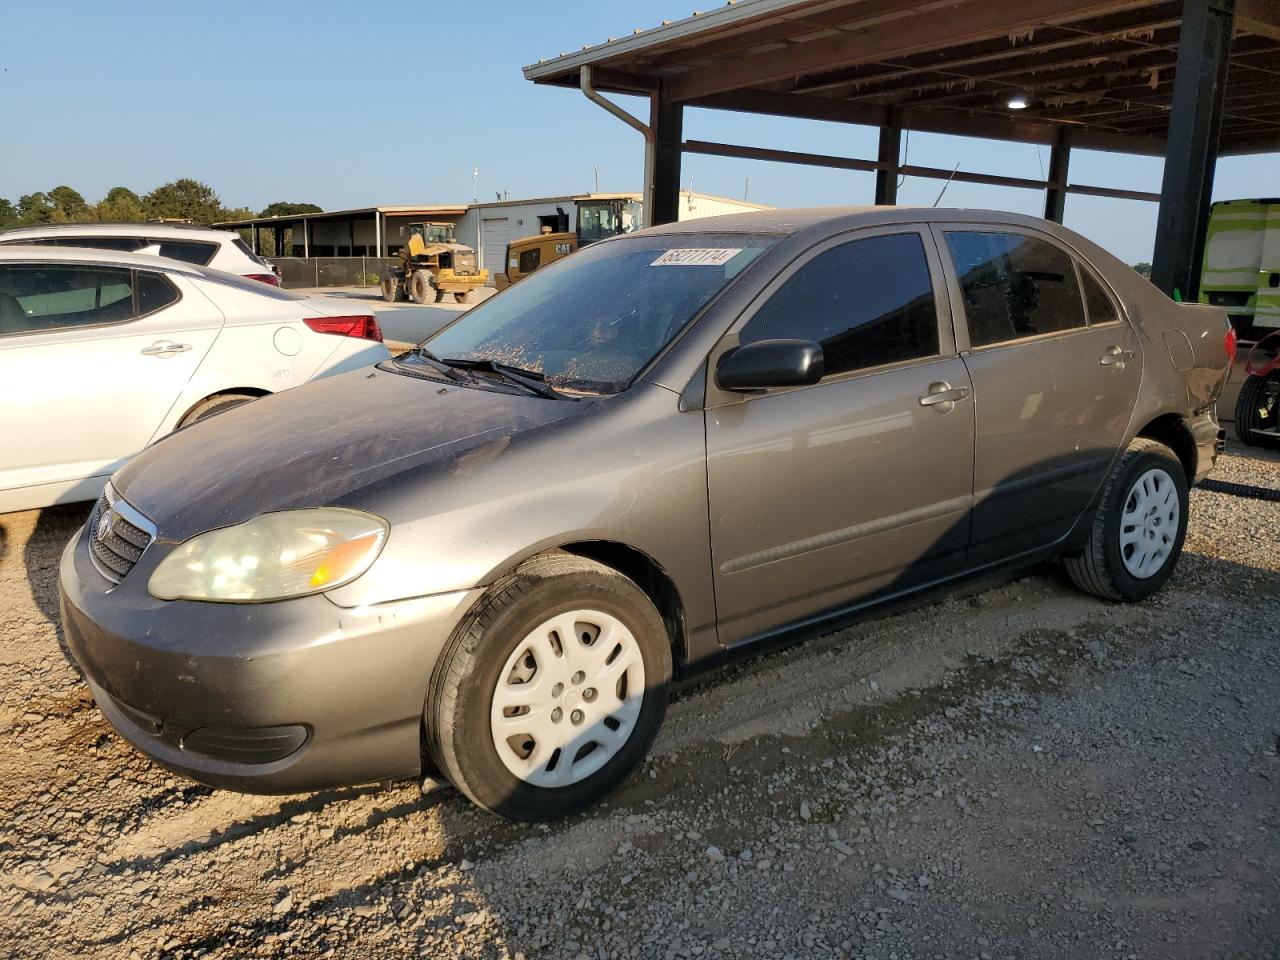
x=215, y=405
x=516, y=771
x=421, y=288
x=461, y=297
x=390, y=288
x=1111, y=565
x=1258, y=408
x=439, y=295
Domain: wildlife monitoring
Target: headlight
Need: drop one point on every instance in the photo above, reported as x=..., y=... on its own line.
x=271, y=557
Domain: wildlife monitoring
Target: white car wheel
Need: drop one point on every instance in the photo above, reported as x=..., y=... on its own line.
x=1149, y=524
x=567, y=699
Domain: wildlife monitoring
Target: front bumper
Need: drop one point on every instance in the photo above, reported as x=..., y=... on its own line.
x=277, y=697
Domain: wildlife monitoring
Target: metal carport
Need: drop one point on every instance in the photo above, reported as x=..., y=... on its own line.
x=1187, y=80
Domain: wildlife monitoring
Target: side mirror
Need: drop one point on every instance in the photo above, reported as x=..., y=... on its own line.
x=770, y=363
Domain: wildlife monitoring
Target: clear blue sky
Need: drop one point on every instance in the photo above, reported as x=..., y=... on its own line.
x=346, y=104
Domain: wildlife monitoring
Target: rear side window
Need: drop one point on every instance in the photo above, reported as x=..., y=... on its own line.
x=188, y=251
x=867, y=303
x=155, y=292
x=1101, y=309
x=35, y=298
x=1014, y=286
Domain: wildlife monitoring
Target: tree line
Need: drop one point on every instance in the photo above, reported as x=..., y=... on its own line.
x=182, y=199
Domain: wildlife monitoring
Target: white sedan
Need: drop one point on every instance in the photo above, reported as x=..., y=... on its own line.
x=103, y=352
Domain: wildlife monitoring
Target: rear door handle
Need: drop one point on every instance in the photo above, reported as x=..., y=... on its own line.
x=1114, y=356
x=165, y=348
x=943, y=396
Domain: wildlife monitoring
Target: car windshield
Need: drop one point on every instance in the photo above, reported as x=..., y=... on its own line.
x=591, y=322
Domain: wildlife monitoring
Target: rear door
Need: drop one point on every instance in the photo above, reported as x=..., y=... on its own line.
x=493, y=244
x=1054, y=384
x=826, y=495
x=91, y=359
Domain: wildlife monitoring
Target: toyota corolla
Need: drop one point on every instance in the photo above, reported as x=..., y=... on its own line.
x=491, y=555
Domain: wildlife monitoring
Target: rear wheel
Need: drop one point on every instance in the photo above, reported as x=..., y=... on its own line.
x=421, y=287
x=551, y=691
x=461, y=297
x=390, y=288
x=1138, y=530
x=1258, y=409
x=215, y=405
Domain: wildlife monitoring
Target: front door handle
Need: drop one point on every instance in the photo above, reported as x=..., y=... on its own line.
x=943, y=396
x=165, y=348
x=1114, y=356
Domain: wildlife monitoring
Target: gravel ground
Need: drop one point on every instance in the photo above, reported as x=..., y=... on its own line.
x=1015, y=770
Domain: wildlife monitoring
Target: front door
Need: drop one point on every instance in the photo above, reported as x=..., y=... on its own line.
x=1054, y=384
x=91, y=359
x=860, y=485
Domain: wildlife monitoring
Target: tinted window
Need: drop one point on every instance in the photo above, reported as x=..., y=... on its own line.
x=35, y=298
x=867, y=303
x=529, y=260
x=92, y=243
x=1101, y=309
x=188, y=251
x=154, y=292
x=1014, y=286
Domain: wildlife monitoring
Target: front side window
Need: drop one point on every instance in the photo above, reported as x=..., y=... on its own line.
x=866, y=303
x=590, y=323
x=35, y=298
x=1014, y=286
x=529, y=260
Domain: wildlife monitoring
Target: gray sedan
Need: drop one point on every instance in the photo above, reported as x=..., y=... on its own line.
x=491, y=555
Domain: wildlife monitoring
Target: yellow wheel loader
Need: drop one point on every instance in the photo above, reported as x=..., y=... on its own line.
x=433, y=264
x=598, y=217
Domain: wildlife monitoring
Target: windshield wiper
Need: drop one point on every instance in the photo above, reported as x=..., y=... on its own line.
x=436, y=364
x=531, y=380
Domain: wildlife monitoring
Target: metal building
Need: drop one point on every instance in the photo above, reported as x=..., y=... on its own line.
x=1187, y=80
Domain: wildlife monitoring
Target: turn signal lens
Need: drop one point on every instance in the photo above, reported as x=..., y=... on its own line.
x=277, y=555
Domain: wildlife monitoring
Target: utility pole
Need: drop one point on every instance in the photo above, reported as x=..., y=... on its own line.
x=596, y=168
x=475, y=172
x=746, y=188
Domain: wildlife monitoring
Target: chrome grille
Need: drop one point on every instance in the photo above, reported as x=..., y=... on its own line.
x=118, y=534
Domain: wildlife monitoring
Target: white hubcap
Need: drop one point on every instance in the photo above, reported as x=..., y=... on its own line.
x=1149, y=524
x=567, y=698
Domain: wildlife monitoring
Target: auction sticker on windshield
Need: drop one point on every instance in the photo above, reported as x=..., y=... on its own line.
x=697, y=257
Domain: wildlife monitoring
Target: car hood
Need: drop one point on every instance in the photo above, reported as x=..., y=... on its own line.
x=320, y=444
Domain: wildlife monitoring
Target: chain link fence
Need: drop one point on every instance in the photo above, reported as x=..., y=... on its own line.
x=332, y=271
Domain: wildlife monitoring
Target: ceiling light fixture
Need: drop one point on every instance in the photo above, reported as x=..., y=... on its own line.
x=1017, y=102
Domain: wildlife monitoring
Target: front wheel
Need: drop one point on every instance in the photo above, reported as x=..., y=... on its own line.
x=1258, y=409
x=550, y=692
x=461, y=297
x=421, y=288
x=390, y=288
x=1139, y=528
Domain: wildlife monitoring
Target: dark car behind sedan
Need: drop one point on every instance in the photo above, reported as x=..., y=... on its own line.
x=490, y=555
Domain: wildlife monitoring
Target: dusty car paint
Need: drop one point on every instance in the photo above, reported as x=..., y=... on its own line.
x=734, y=502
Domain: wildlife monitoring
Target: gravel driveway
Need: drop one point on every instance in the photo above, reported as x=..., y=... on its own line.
x=1016, y=770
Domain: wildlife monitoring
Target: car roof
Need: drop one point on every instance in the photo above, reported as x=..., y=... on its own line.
x=32, y=252
x=184, y=231
x=835, y=219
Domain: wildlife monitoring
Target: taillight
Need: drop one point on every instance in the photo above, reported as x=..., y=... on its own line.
x=270, y=278
x=364, y=327
x=1230, y=341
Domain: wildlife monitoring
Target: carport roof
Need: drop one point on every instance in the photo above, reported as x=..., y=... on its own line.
x=404, y=210
x=1102, y=68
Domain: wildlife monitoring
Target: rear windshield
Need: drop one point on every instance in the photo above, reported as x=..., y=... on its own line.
x=248, y=251
x=592, y=321
x=249, y=285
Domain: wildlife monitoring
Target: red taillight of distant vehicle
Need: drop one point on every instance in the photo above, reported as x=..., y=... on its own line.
x=270, y=278
x=363, y=327
x=1231, y=340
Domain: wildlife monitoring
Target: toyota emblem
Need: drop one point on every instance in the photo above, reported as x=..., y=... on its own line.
x=104, y=526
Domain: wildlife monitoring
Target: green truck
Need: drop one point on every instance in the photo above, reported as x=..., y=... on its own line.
x=1241, y=274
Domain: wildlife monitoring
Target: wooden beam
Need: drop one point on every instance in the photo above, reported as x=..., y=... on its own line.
x=965, y=22
x=1259, y=17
